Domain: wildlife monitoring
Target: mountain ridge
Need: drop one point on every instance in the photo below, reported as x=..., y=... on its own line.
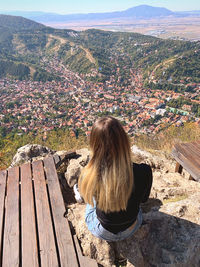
x=27, y=42
x=137, y=12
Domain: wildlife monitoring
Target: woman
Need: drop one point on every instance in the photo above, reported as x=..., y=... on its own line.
x=111, y=184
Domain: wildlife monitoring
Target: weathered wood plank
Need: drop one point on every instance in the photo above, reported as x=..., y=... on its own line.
x=190, y=154
x=63, y=233
x=193, y=150
x=196, y=144
x=45, y=229
x=3, y=177
x=184, y=160
x=29, y=241
x=11, y=229
x=187, y=165
x=83, y=260
x=56, y=159
x=194, y=147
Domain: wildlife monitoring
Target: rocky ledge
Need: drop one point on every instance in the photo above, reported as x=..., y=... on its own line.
x=30, y=152
x=170, y=233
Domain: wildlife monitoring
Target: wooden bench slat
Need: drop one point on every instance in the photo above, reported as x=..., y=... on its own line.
x=3, y=177
x=184, y=161
x=56, y=159
x=192, y=169
x=179, y=148
x=196, y=147
x=47, y=246
x=193, y=150
x=189, y=146
x=29, y=241
x=190, y=154
x=11, y=229
x=63, y=233
x=34, y=231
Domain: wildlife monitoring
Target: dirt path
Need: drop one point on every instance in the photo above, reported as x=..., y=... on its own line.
x=88, y=55
x=53, y=37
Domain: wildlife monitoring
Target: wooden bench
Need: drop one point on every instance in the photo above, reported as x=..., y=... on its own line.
x=33, y=230
x=187, y=156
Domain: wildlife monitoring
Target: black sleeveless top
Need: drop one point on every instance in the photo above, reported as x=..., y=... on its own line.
x=119, y=221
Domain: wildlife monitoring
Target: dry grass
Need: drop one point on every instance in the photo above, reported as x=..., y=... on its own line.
x=165, y=140
x=175, y=199
x=55, y=140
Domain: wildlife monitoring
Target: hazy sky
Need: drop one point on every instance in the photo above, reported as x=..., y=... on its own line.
x=87, y=6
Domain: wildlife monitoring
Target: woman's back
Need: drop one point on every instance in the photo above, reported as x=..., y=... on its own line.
x=111, y=184
x=119, y=221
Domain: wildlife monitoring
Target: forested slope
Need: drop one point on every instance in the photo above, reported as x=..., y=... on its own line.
x=94, y=51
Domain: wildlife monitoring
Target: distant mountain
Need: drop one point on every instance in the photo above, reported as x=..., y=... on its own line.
x=188, y=13
x=145, y=11
x=138, y=12
x=14, y=23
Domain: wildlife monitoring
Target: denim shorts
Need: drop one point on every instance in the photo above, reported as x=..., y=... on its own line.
x=95, y=227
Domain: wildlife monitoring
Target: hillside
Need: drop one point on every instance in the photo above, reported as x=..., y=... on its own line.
x=17, y=23
x=102, y=54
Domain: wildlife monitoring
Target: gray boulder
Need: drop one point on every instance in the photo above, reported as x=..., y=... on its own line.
x=73, y=172
x=169, y=235
x=158, y=160
x=75, y=166
x=30, y=152
x=84, y=156
x=162, y=240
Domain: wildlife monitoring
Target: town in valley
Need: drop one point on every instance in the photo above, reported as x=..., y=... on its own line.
x=75, y=103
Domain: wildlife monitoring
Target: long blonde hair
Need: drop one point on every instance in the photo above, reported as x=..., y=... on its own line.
x=108, y=177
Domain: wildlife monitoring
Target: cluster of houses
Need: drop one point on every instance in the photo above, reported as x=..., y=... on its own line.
x=75, y=102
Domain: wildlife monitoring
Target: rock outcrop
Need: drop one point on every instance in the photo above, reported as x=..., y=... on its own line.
x=30, y=152
x=75, y=166
x=170, y=234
